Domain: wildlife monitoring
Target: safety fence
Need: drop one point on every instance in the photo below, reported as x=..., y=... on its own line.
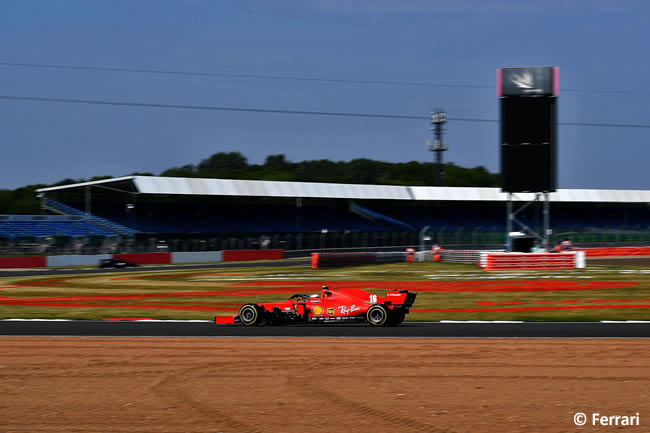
x=306, y=242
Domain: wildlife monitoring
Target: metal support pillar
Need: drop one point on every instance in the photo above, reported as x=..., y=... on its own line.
x=135, y=214
x=88, y=202
x=421, y=235
x=547, y=223
x=509, y=218
x=543, y=236
x=298, y=223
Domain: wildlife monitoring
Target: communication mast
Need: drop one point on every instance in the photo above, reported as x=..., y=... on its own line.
x=438, y=120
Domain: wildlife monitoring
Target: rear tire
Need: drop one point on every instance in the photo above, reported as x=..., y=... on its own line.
x=396, y=317
x=377, y=315
x=250, y=315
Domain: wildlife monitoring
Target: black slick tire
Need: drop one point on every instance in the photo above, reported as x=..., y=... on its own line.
x=250, y=315
x=377, y=315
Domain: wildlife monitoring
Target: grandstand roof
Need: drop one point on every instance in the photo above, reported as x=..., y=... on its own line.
x=263, y=188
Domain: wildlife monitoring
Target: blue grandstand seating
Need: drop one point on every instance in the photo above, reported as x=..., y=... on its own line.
x=97, y=221
x=315, y=220
x=264, y=221
x=379, y=216
x=29, y=226
x=10, y=232
x=250, y=215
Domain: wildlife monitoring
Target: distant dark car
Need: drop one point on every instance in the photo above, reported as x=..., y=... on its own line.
x=116, y=263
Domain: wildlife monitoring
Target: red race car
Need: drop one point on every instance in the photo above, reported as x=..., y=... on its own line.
x=337, y=306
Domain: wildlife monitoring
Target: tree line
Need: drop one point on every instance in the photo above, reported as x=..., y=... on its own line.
x=234, y=165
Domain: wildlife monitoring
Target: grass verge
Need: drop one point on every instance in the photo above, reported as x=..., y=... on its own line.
x=445, y=292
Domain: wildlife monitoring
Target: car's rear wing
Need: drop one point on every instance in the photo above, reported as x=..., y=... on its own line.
x=400, y=298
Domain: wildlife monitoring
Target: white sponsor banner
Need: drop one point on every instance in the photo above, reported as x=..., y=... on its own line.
x=197, y=257
x=76, y=260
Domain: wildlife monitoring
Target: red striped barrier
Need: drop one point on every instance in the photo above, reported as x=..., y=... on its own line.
x=242, y=255
x=23, y=262
x=146, y=258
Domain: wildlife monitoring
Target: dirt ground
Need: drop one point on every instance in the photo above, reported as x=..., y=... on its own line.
x=291, y=385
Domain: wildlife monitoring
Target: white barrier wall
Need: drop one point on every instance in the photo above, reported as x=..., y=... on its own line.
x=491, y=261
x=76, y=260
x=197, y=257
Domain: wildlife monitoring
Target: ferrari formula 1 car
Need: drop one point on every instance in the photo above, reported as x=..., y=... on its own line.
x=338, y=306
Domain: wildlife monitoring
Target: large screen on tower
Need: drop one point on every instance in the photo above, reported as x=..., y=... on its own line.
x=528, y=81
x=528, y=143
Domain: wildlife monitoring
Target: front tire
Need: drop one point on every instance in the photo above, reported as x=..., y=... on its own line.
x=250, y=315
x=377, y=315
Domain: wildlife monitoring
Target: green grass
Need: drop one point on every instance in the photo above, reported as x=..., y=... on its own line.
x=171, y=283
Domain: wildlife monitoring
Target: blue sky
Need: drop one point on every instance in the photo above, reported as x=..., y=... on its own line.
x=598, y=45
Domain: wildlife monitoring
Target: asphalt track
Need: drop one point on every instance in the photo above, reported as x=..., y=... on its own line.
x=76, y=271
x=89, y=328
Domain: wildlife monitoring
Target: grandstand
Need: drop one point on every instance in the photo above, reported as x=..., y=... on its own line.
x=21, y=226
x=296, y=215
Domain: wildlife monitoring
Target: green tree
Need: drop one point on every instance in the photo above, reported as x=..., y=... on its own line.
x=223, y=165
x=234, y=165
x=6, y=199
x=187, y=170
x=276, y=162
